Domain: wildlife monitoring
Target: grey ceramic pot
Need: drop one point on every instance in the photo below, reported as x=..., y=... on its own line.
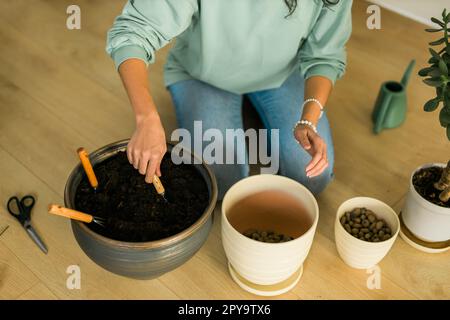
x=141, y=260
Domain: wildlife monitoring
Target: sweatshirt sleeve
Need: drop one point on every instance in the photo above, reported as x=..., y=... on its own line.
x=323, y=53
x=145, y=26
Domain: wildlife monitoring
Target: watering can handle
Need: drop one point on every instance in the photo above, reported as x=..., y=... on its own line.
x=380, y=119
x=407, y=74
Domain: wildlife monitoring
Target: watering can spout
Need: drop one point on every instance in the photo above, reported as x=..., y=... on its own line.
x=407, y=74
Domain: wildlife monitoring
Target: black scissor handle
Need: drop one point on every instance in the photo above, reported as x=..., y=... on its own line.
x=23, y=205
x=27, y=202
x=12, y=210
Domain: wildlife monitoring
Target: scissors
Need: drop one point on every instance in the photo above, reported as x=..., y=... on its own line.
x=21, y=210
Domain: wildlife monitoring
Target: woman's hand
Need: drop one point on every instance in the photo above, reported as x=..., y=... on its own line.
x=147, y=147
x=315, y=146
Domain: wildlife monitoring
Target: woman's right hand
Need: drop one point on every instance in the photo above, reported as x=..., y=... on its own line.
x=147, y=147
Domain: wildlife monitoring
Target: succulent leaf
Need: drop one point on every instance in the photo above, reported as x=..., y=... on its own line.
x=444, y=117
x=437, y=74
x=431, y=105
x=443, y=67
x=439, y=22
x=437, y=42
x=434, y=30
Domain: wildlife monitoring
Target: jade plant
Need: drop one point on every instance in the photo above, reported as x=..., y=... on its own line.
x=437, y=75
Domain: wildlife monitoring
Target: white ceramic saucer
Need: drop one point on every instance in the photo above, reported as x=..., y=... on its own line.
x=266, y=290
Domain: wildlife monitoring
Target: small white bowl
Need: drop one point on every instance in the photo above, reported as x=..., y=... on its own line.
x=358, y=253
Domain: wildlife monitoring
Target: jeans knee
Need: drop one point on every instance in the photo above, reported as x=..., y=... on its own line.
x=227, y=175
x=316, y=184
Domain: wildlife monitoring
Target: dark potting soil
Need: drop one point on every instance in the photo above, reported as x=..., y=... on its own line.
x=133, y=210
x=423, y=181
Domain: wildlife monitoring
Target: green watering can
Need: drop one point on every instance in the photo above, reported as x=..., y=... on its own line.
x=390, y=107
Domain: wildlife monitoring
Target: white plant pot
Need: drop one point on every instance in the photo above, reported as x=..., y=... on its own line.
x=358, y=253
x=427, y=221
x=267, y=263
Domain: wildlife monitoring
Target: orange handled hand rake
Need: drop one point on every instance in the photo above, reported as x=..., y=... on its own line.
x=75, y=215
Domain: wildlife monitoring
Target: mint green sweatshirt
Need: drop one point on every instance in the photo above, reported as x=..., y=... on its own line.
x=237, y=45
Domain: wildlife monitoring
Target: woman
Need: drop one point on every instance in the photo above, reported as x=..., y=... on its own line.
x=284, y=55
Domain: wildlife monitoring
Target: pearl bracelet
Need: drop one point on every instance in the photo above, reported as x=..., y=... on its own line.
x=306, y=123
x=318, y=103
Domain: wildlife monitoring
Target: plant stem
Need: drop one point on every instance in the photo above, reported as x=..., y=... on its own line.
x=445, y=195
x=444, y=184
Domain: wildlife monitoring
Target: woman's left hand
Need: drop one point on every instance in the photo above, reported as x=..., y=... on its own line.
x=315, y=146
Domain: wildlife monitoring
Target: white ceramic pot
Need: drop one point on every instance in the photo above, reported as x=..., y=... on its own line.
x=426, y=220
x=268, y=263
x=358, y=253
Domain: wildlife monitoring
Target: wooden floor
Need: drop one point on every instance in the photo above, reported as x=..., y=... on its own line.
x=59, y=91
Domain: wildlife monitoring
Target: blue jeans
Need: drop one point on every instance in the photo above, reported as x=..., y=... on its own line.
x=279, y=108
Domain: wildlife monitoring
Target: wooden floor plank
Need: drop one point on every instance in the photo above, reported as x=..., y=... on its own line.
x=38, y=292
x=326, y=276
x=73, y=98
x=15, y=277
x=37, y=138
x=85, y=49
